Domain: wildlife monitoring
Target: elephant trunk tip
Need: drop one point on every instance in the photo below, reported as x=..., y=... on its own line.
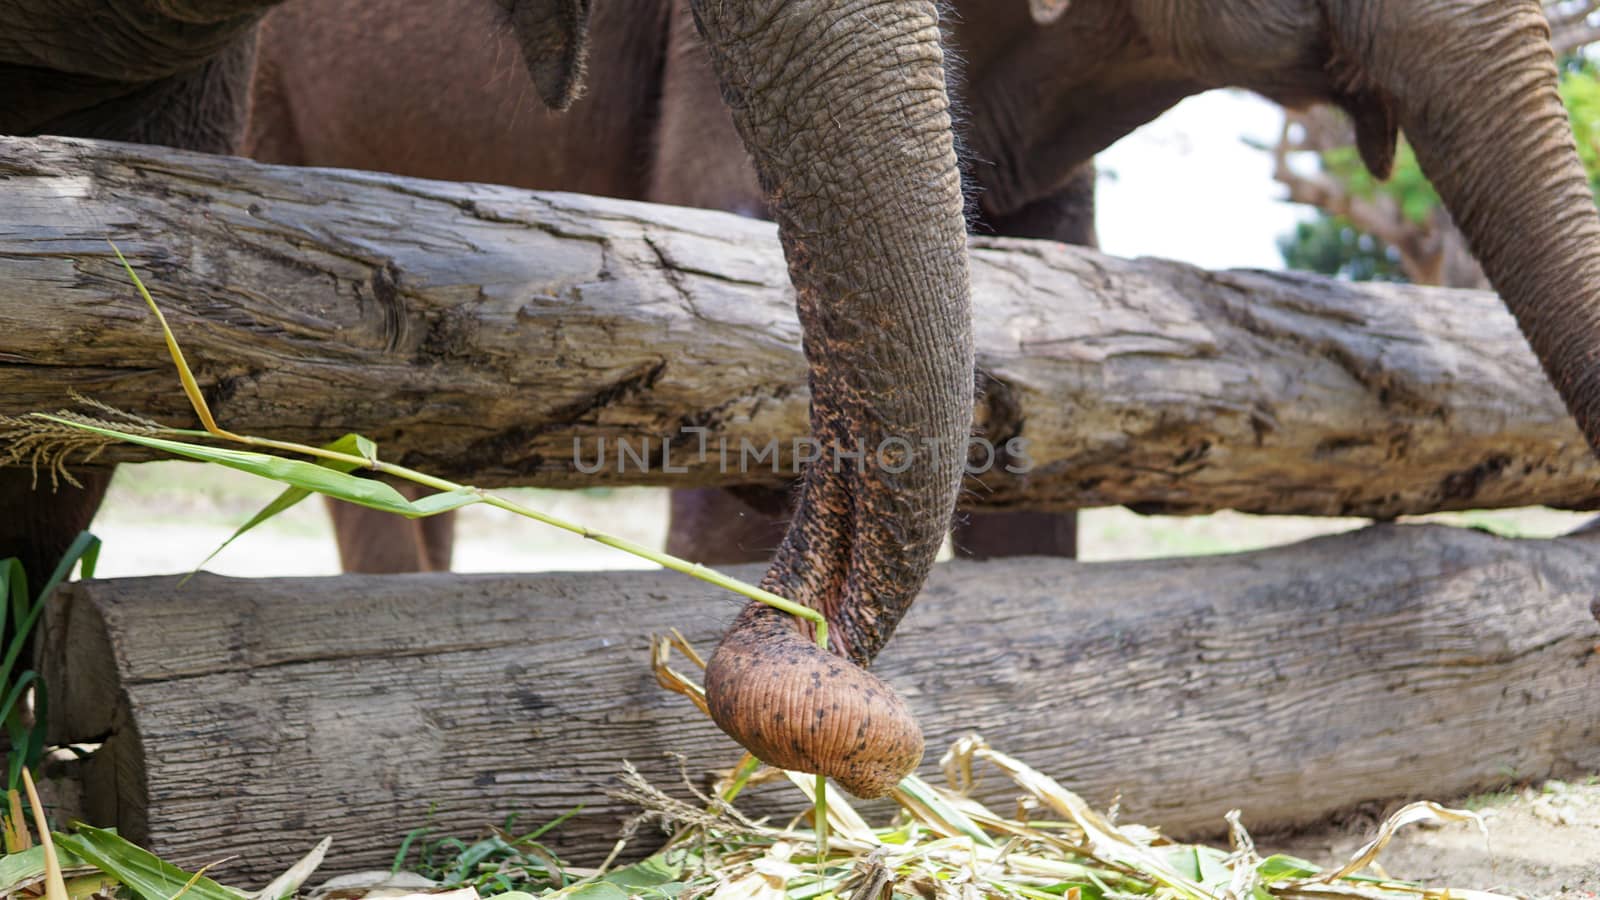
x=798, y=707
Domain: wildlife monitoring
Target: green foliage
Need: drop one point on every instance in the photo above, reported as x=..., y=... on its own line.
x=522, y=868
x=1580, y=90
x=497, y=864
x=1331, y=245
x=148, y=876
x=17, y=624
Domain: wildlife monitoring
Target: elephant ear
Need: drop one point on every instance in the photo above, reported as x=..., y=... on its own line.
x=1047, y=11
x=554, y=36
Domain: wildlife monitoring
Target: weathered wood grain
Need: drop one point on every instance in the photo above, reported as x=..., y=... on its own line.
x=484, y=333
x=254, y=716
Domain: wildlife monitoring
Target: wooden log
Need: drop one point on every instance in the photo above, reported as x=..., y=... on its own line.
x=498, y=336
x=254, y=716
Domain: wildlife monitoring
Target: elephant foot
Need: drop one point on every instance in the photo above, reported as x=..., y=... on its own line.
x=996, y=535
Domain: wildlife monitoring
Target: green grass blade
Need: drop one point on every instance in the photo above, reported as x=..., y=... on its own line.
x=41, y=716
x=191, y=388
x=139, y=869
x=85, y=547
x=18, y=640
x=405, y=847
x=467, y=863
x=91, y=557
x=14, y=760
x=14, y=592
x=544, y=829
x=27, y=743
x=14, y=696
x=283, y=501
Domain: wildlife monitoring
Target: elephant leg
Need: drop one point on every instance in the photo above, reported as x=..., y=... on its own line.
x=198, y=108
x=377, y=542
x=39, y=523
x=723, y=526
x=1026, y=533
x=698, y=160
x=1066, y=216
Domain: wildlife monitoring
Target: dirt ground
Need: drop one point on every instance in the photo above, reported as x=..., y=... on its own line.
x=1543, y=842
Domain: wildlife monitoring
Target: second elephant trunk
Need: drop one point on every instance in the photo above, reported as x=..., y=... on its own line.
x=1481, y=108
x=844, y=110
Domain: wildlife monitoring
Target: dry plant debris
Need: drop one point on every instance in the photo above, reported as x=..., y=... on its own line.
x=940, y=845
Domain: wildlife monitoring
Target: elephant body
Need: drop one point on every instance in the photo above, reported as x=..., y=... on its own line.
x=1472, y=83
x=338, y=86
x=847, y=150
x=1043, y=86
x=842, y=108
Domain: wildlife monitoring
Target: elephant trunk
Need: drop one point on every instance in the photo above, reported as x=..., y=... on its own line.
x=844, y=110
x=1481, y=108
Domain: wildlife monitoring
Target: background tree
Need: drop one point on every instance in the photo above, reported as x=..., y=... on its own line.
x=1397, y=230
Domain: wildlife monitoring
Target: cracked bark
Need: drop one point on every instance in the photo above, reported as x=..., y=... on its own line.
x=1393, y=662
x=482, y=333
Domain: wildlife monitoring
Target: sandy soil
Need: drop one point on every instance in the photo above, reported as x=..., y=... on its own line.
x=1542, y=842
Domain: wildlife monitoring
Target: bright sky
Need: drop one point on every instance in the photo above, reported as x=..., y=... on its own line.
x=1186, y=186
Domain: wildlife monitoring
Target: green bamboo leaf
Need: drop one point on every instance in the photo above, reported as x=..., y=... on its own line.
x=142, y=871
x=17, y=869
x=296, y=473
x=352, y=443
x=444, y=501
